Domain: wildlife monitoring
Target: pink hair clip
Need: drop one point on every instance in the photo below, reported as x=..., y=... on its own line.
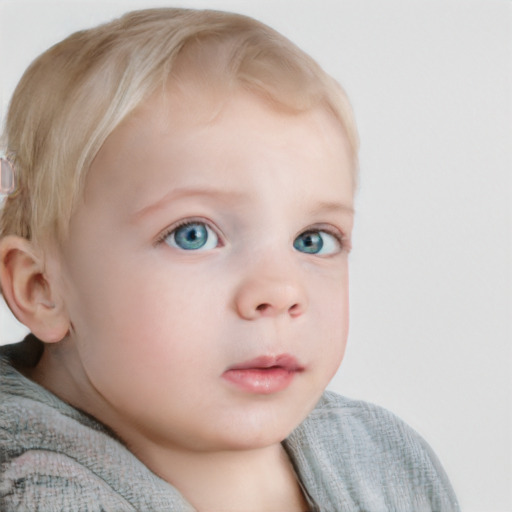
x=7, y=177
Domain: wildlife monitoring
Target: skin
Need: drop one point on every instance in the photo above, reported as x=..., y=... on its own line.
x=153, y=328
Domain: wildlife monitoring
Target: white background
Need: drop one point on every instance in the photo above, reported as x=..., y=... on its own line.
x=431, y=281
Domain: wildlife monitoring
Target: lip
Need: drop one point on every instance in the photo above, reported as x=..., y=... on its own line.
x=265, y=374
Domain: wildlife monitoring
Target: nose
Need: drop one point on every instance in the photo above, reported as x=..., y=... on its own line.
x=263, y=295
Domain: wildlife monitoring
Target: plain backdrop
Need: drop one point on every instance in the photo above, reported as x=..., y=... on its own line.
x=431, y=280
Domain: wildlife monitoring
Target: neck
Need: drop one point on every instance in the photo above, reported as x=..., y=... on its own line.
x=261, y=480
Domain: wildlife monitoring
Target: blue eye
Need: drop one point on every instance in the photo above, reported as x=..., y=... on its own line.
x=192, y=236
x=317, y=242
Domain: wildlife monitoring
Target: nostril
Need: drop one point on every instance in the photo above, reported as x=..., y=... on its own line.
x=266, y=309
x=295, y=310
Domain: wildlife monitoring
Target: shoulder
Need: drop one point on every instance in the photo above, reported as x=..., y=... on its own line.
x=37, y=469
x=369, y=456
x=54, y=457
x=367, y=425
x=43, y=480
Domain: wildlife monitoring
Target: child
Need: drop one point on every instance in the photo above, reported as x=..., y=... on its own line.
x=177, y=243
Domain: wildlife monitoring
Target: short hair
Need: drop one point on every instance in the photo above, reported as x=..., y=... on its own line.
x=77, y=92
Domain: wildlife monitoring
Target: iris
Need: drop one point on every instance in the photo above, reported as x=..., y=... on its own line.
x=310, y=242
x=193, y=236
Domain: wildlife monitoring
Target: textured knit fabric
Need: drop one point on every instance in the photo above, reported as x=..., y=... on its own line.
x=349, y=456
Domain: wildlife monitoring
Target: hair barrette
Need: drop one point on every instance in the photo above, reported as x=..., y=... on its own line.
x=7, y=176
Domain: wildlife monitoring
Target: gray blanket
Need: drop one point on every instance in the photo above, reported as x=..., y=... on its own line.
x=349, y=456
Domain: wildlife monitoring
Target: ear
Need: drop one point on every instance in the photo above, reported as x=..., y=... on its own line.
x=29, y=292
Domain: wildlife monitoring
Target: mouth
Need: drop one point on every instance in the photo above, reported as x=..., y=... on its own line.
x=265, y=374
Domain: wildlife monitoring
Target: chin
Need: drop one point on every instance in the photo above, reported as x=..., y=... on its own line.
x=253, y=431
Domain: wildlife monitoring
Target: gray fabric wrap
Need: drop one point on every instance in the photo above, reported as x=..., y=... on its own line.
x=349, y=456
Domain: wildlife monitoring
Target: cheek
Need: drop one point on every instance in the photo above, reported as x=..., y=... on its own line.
x=331, y=300
x=331, y=310
x=157, y=315
x=142, y=346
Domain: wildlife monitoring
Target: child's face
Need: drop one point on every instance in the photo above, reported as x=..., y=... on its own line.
x=173, y=323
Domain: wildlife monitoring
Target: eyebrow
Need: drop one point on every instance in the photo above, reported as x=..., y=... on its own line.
x=229, y=196
x=220, y=195
x=332, y=207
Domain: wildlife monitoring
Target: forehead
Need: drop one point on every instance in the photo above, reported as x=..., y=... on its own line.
x=206, y=136
x=188, y=108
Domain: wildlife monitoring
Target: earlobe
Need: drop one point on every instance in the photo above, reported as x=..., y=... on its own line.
x=28, y=291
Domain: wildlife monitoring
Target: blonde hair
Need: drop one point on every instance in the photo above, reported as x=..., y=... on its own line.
x=75, y=94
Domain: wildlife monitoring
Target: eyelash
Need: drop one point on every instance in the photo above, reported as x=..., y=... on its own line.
x=343, y=241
